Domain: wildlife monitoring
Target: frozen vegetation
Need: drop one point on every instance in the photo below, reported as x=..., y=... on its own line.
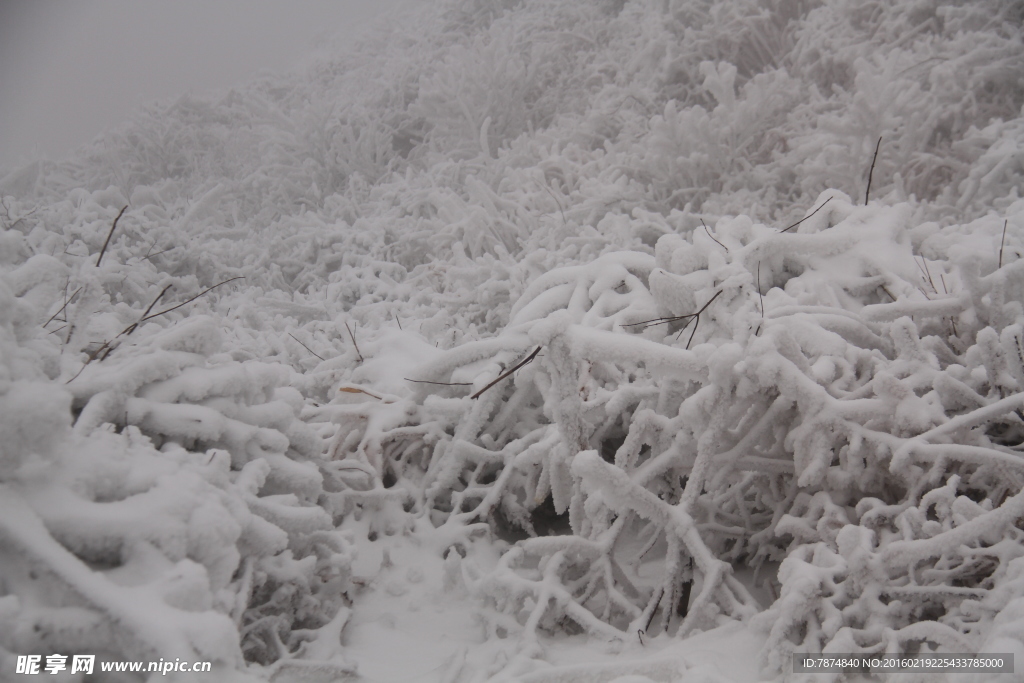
x=759, y=405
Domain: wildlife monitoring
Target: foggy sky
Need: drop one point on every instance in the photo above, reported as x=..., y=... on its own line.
x=69, y=70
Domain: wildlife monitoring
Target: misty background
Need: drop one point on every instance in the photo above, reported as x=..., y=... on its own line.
x=69, y=71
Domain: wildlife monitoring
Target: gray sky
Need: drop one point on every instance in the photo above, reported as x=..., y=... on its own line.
x=69, y=70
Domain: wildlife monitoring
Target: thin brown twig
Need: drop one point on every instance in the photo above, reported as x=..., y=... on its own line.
x=509, y=372
x=655, y=600
x=916, y=263
x=81, y=369
x=353, y=337
x=674, y=318
x=93, y=356
x=131, y=328
x=64, y=307
x=945, y=290
x=658, y=321
x=443, y=384
x=307, y=348
x=7, y=212
x=759, y=295
x=712, y=236
x=886, y=290
x=695, y=324
x=149, y=256
x=355, y=390
x=151, y=305
x=188, y=301
x=696, y=318
x=808, y=215
x=871, y=171
x=760, y=298
x=109, y=235
x=705, y=306
x=1002, y=242
x=929, y=274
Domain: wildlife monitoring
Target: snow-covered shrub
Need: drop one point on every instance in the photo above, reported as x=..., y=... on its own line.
x=712, y=411
x=843, y=403
x=161, y=500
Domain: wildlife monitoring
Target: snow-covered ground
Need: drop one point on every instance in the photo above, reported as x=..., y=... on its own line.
x=541, y=340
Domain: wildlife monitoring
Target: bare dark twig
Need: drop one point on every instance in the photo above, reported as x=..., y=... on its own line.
x=158, y=297
x=928, y=273
x=871, y=171
x=93, y=356
x=106, y=349
x=188, y=301
x=7, y=212
x=353, y=337
x=652, y=605
x=696, y=319
x=657, y=321
x=64, y=307
x=760, y=297
x=712, y=236
x=695, y=324
x=442, y=384
x=307, y=348
x=808, y=215
x=149, y=256
x=675, y=318
x=952, y=321
x=1002, y=242
x=109, y=235
x=508, y=372
x=131, y=328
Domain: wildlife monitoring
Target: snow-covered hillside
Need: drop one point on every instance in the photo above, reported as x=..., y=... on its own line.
x=542, y=340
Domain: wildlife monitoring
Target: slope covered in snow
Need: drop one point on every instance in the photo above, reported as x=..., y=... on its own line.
x=533, y=340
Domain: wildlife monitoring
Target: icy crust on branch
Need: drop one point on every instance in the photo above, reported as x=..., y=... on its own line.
x=848, y=403
x=161, y=503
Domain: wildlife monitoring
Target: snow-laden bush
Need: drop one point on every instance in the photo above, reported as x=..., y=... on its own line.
x=837, y=397
x=162, y=500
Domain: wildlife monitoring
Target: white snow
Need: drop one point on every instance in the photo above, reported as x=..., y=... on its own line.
x=541, y=341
